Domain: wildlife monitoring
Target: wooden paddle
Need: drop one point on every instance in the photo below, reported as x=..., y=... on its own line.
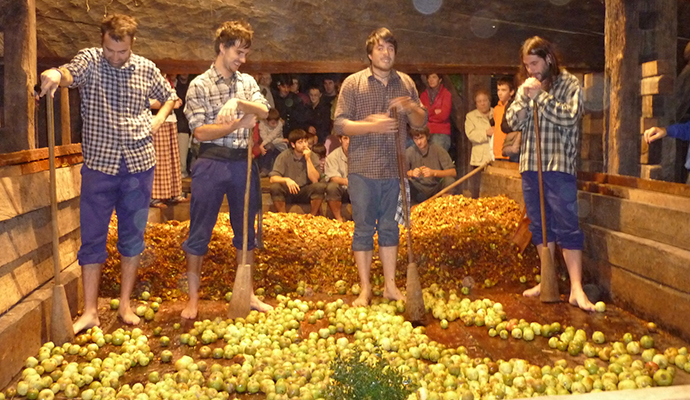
x=61, y=330
x=414, y=299
x=242, y=289
x=459, y=181
x=549, y=280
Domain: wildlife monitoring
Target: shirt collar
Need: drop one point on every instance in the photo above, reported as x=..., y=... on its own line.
x=217, y=77
x=424, y=154
x=393, y=76
x=128, y=65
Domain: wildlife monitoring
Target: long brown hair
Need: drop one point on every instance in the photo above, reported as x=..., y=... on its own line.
x=537, y=46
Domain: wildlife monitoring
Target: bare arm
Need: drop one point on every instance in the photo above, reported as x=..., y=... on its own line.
x=215, y=131
x=52, y=79
x=312, y=173
x=339, y=180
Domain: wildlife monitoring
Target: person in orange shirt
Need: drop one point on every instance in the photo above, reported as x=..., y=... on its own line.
x=505, y=91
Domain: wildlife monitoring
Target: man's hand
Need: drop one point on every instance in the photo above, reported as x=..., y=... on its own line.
x=227, y=113
x=490, y=132
x=262, y=149
x=50, y=82
x=654, y=133
x=426, y=172
x=403, y=104
x=415, y=173
x=292, y=186
x=247, y=121
x=156, y=123
x=531, y=87
x=311, y=130
x=382, y=123
x=307, y=153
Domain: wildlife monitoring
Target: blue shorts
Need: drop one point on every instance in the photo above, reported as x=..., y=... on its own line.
x=211, y=181
x=129, y=195
x=374, y=203
x=560, y=200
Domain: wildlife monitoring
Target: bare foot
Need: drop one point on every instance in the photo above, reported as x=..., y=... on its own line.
x=533, y=292
x=259, y=305
x=86, y=321
x=128, y=316
x=190, y=311
x=363, y=299
x=340, y=219
x=392, y=294
x=578, y=298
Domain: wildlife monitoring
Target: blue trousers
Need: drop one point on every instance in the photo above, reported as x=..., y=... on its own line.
x=374, y=203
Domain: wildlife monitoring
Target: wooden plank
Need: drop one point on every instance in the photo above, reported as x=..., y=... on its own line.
x=657, y=262
x=646, y=123
x=676, y=189
x=44, y=165
x=25, y=156
x=592, y=125
x=656, y=67
x=650, y=153
x=21, y=235
x=653, y=106
x=642, y=220
x=640, y=196
x=25, y=193
x=593, y=79
x=591, y=147
x=652, y=171
x=656, y=85
x=19, y=59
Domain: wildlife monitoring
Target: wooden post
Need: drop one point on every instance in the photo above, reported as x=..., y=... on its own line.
x=622, y=73
x=65, y=126
x=19, y=26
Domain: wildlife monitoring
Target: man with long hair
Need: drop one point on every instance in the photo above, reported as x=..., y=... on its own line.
x=557, y=94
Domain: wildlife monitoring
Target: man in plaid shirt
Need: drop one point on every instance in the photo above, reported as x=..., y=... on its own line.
x=362, y=113
x=115, y=86
x=558, y=97
x=222, y=107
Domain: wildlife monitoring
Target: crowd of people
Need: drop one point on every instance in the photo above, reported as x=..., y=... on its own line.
x=338, y=145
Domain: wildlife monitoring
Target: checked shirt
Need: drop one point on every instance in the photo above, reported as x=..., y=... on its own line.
x=559, y=113
x=208, y=93
x=116, y=111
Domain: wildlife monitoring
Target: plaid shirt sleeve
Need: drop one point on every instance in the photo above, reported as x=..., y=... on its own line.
x=196, y=105
x=564, y=110
x=161, y=89
x=80, y=67
x=345, y=106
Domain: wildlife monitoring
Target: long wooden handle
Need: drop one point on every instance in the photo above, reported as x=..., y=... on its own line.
x=403, y=189
x=53, y=189
x=247, y=189
x=459, y=181
x=540, y=175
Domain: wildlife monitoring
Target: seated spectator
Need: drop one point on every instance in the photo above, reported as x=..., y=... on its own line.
x=295, y=177
x=320, y=150
x=272, y=141
x=330, y=89
x=318, y=114
x=312, y=139
x=292, y=109
x=430, y=168
x=336, y=177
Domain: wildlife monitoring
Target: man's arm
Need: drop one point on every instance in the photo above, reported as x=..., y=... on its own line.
x=214, y=131
x=73, y=73
x=52, y=79
x=312, y=173
x=517, y=112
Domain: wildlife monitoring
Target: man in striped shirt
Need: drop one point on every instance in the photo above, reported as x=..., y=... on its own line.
x=222, y=107
x=115, y=86
x=558, y=97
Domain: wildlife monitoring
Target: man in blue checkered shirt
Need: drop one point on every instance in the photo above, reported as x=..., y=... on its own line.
x=557, y=94
x=222, y=107
x=115, y=86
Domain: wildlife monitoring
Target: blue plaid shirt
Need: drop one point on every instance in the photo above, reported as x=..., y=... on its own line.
x=208, y=93
x=116, y=111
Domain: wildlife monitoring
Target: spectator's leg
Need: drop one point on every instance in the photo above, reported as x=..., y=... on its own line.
x=183, y=144
x=334, y=194
x=315, y=193
x=278, y=193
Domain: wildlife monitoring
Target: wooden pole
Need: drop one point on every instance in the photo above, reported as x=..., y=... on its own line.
x=65, y=123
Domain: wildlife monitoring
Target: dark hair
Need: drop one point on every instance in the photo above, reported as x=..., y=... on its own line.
x=506, y=81
x=536, y=46
x=296, y=134
x=414, y=132
x=233, y=33
x=284, y=79
x=118, y=26
x=381, y=34
x=319, y=149
x=273, y=114
x=317, y=87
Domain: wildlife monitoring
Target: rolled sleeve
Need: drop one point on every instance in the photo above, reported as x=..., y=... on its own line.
x=80, y=66
x=195, y=108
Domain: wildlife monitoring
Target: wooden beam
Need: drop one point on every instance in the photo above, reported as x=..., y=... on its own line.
x=676, y=189
x=20, y=64
x=25, y=156
x=622, y=44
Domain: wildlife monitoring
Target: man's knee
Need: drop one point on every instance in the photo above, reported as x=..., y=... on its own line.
x=333, y=192
x=318, y=190
x=278, y=191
